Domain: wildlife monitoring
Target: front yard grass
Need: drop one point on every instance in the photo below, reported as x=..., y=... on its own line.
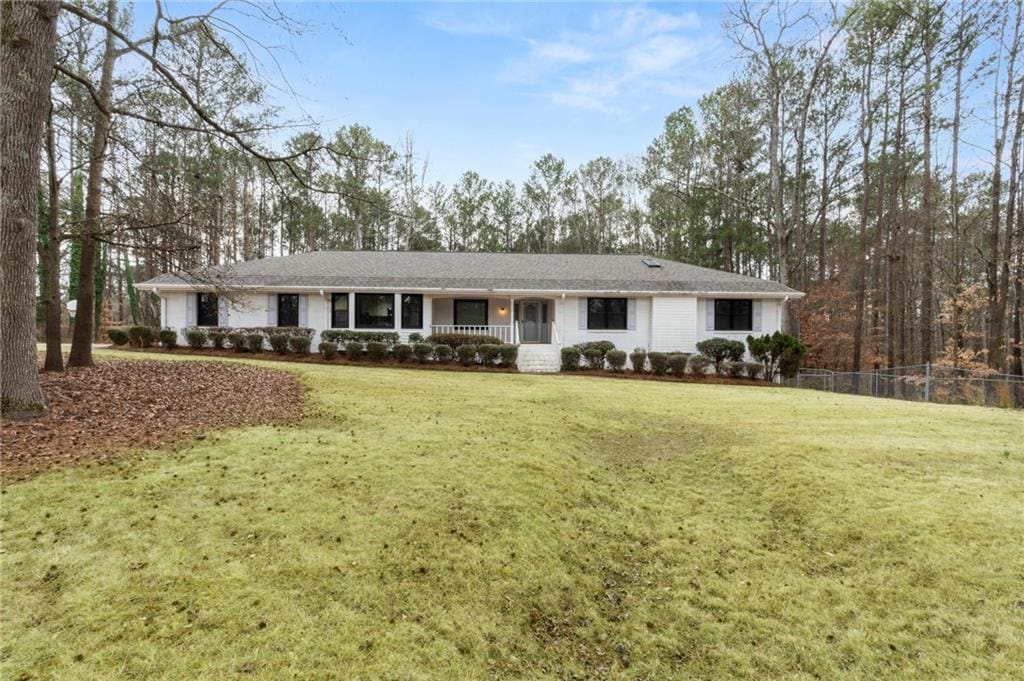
x=424, y=525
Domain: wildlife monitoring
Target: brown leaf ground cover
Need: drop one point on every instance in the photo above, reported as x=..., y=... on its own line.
x=96, y=412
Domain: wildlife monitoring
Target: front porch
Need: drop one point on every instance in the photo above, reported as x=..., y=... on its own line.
x=511, y=320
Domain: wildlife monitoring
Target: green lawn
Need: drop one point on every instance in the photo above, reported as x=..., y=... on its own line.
x=422, y=525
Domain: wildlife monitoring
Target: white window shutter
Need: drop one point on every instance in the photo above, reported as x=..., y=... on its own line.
x=191, y=319
x=222, y=311
x=583, y=314
x=631, y=314
x=709, y=314
x=303, y=311
x=757, y=315
x=271, y=309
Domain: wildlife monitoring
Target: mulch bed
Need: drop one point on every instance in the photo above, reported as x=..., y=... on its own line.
x=95, y=413
x=630, y=375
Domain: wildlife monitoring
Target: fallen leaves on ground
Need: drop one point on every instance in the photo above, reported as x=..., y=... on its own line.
x=96, y=411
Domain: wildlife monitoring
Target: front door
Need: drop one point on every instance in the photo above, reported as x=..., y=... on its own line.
x=530, y=313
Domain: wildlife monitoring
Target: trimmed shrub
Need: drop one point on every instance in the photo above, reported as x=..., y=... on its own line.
x=659, y=362
x=604, y=346
x=403, y=352
x=279, y=343
x=353, y=350
x=490, y=353
x=328, y=349
x=300, y=344
x=117, y=336
x=733, y=369
x=216, y=337
x=377, y=350
x=345, y=335
x=779, y=353
x=699, y=365
x=454, y=340
x=594, y=357
x=254, y=341
x=571, y=358
x=141, y=336
x=616, y=359
x=237, y=341
x=509, y=354
x=423, y=352
x=752, y=370
x=443, y=353
x=466, y=354
x=168, y=338
x=638, y=358
x=677, y=363
x=415, y=337
x=196, y=338
x=720, y=350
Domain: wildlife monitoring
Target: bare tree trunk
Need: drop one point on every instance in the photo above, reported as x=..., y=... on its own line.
x=928, y=250
x=866, y=130
x=28, y=35
x=50, y=258
x=82, y=336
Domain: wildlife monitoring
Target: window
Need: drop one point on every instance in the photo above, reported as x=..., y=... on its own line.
x=287, y=309
x=339, y=310
x=412, y=311
x=606, y=313
x=207, y=309
x=734, y=315
x=470, y=313
x=375, y=311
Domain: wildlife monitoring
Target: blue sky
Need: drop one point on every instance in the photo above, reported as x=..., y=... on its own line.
x=492, y=87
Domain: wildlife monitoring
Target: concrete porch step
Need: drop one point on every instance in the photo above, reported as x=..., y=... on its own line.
x=538, y=359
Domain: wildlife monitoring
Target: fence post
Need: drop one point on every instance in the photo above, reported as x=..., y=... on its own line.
x=928, y=382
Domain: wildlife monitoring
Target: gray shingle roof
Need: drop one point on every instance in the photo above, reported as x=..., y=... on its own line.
x=478, y=271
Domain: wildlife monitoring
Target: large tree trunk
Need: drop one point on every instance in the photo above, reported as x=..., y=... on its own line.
x=82, y=336
x=28, y=35
x=50, y=258
x=928, y=250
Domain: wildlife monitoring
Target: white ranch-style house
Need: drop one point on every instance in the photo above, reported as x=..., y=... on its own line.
x=540, y=301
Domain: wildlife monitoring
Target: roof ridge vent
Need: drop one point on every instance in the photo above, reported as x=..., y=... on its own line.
x=650, y=262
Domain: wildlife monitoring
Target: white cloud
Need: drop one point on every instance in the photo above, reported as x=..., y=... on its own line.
x=559, y=51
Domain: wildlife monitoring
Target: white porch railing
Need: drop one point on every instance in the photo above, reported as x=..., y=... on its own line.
x=501, y=332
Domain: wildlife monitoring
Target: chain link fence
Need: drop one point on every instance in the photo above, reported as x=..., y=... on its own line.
x=921, y=383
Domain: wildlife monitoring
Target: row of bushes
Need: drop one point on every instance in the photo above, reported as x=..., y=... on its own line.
x=467, y=354
x=777, y=354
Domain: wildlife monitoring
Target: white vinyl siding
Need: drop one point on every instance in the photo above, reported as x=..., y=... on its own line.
x=674, y=324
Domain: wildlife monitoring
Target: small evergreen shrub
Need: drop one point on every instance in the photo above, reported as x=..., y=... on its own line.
x=659, y=363
x=299, y=344
x=196, y=338
x=443, y=353
x=719, y=350
x=454, y=340
x=377, y=350
x=699, y=365
x=254, y=341
x=604, y=346
x=422, y=351
x=594, y=356
x=279, y=343
x=638, y=358
x=353, y=350
x=466, y=354
x=168, y=338
x=733, y=369
x=117, y=336
x=403, y=352
x=141, y=336
x=571, y=358
x=677, y=363
x=752, y=370
x=616, y=359
x=509, y=354
x=341, y=336
x=490, y=353
x=328, y=350
x=779, y=353
x=415, y=337
x=216, y=337
x=237, y=341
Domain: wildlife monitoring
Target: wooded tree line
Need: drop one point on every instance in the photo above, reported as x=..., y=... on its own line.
x=867, y=154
